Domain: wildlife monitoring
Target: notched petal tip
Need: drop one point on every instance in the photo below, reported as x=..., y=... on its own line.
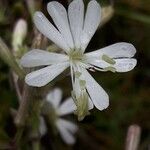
x=125, y=65
x=95, y=2
x=105, y=105
x=52, y=3
x=128, y=47
x=134, y=63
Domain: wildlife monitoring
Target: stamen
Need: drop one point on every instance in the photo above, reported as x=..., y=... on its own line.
x=112, y=69
x=108, y=59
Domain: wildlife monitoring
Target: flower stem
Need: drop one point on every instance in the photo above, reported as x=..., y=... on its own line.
x=23, y=108
x=36, y=145
x=18, y=136
x=9, y=59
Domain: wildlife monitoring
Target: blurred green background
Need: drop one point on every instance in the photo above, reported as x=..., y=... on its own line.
x=129, y=92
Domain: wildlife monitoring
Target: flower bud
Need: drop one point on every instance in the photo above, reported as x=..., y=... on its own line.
x=133, y=137
x=107, y=13
x=19, y=34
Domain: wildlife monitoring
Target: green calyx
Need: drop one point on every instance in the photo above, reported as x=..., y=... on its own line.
x=82, y=104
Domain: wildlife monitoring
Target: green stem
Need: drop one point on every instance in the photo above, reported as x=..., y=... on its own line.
x=34, y=119
x=23, y=108
x=36, y=145
x=18, y=136
x=9, y=59
x=134, y=15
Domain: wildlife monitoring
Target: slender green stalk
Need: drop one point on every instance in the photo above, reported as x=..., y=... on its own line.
x=9, y=59
x=36, y=145
x=134, y=15
x=35, y=122
x=18, y=136
x=23, y=109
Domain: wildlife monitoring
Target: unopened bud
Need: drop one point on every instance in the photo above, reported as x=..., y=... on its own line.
x=19, y=34
x=133, y=137
x=107, y=13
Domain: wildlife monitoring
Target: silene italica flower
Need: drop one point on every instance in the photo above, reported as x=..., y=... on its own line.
x=72, y=32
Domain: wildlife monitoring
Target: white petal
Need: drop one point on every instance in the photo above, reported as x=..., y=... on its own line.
x=54, y=97
x=76, y=16
x=116, y=50
x=70, y=126
x=125, y=65
x=67, y=107
x=66, y=135
x=92, y=20
x=38, y=57
x=45, y=27
x=42, y=127
x=90, y=105
x=43, y=76
x=96, y=92
x=59, y=16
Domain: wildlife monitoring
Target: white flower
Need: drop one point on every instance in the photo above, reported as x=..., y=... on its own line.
x=66, y=128
x=72, y=33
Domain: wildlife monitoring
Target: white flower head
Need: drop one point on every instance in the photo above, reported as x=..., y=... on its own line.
x=66, y=128
x=73, y=33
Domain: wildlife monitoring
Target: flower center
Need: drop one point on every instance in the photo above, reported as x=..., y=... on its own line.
x=75, y=55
